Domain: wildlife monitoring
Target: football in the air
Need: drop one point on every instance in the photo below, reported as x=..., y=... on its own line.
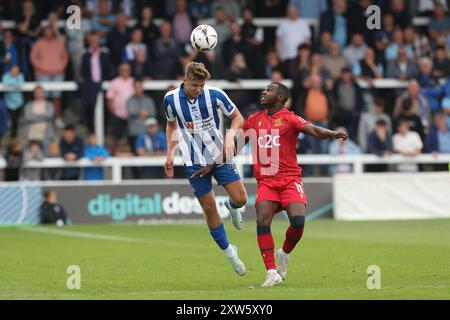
x=204, y=38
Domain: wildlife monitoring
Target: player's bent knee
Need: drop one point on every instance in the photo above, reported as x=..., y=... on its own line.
x=297, y=221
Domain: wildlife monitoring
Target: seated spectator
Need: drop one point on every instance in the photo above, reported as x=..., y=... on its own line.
x=368, y=120
x=9, y=55
x=141, y=67
x=14, y=99
x=166, y=51
x=272, y=63
x=50, y=58
x=72, y=148
x=335, y=21
x=334, y=61
x=50, y=211
x=325, y=43
x=119, y=91
x=238, y=71
x=418, y=42
x=387, y=28
x=420, y=105
x=298, y=66
x=97, y=154
x=413, y=120
x=104, y=21
x=398, y=41
x=33, y=153
x=402, y=68
x=148, y=27
x=13, y=158
x=316, y=67
x=400, y=12
x=341, y=147
x=438, y=139
x=140, y=107
x=380, y=140
x=234, y=45
x=129, y=53
x=182, y=23
x=439, y=24
x=368, y=69
x=408, y=144
x=349, y=102
x=53, y=174
x=430, y=85
x=151, y=143
x=117, y=39
x=441, y=63
x=38, y=118
x=354, y=52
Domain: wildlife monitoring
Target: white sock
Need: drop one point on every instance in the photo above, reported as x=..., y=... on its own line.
x=229, y=251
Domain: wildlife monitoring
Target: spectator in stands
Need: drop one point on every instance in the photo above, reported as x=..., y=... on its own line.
x=38, y=118
x=50, y=211
x=254, y=39
x=270, y=8
x=142, y=67
x=182, y=23
x=72, y=148
x=3, y=120
x=369, y=119
x=14, y=99
x=117, y=39
x=340, y=147
x=335, y=22
x=334, y=62
x=148, y=27
x=230, y=7
x=367, y=69
x=420, y=105
x=408, y=144
x=291, y=32
x=438, y=139
x=354, y=52
x=413, y=120
x=325, y=43
x=53, y=22
x=402, y=68
x=400, y=13
x=128, y=7
x=119, y=91
x=398, y=41
x=310, y=9
x=430, y=85
x=300, y=65
x=95, y=68
x=140, y=107
x=150, y=143
x=439, y=24
x=441, y=63
x=418, y=42
x=13, y=158
x=316, y=67
x=358, y=17
x=350, y=102
x=49, y=58
x=379, y=141
x=166, y=51
x=33, y=153
x=238, y=71
x=104, y=21
x=272, y=63
x=97, y=154
x=9, y=55
x=75, y=42
x=135, y=44
x=199, y=9
x=235, y=44
x=53, y=151
x=223, y=28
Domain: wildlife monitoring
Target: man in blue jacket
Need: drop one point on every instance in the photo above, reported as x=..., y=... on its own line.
x=96, y=153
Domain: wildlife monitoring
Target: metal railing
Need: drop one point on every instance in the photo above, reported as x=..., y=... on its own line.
x=116, y=164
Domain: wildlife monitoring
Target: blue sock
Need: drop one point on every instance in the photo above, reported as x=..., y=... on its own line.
x=220, y=236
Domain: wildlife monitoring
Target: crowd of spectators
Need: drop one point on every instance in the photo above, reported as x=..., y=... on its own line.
x=119, y=41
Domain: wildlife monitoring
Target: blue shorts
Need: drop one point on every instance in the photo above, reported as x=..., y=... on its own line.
x=225, y=174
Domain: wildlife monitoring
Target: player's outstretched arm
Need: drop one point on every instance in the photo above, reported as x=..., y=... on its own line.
x=323, y=133
x=172, y=142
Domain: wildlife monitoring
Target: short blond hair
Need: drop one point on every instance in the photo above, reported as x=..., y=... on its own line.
x=196, y=71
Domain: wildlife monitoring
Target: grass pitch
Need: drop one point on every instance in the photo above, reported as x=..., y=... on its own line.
x=183, y=262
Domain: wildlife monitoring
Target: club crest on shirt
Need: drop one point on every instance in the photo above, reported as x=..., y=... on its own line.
x=259, y=124
x=277, y=123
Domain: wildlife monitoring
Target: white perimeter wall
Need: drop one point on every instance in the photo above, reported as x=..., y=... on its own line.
x=391, y=196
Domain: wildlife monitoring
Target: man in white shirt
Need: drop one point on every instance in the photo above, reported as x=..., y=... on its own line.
x=292, y=32
x=407, y=143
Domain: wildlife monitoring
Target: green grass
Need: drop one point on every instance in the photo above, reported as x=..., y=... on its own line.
x=182, y=262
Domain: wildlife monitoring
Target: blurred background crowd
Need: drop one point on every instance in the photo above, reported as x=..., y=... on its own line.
x=323, y=46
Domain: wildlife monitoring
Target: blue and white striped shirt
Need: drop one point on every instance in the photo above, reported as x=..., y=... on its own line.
x=198, y=122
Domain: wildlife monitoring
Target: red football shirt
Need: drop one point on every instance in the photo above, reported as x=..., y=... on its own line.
x=274, y=140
